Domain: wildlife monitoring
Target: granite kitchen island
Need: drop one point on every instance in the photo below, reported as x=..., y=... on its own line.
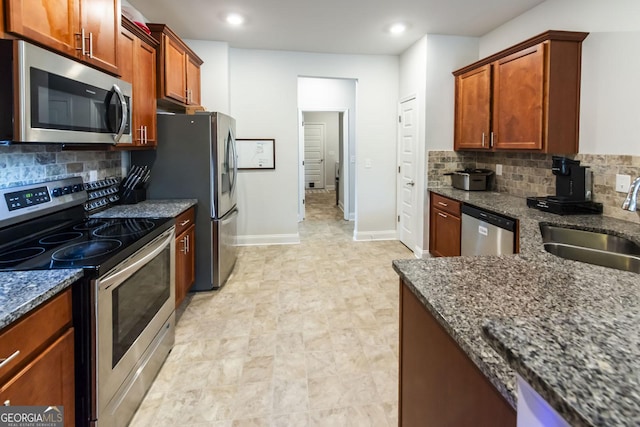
x=541, y=315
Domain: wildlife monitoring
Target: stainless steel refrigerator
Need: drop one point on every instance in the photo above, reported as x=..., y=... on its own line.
x=196, y=157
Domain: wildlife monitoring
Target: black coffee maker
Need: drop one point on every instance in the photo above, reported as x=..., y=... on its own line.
x=573, y=182
x=573, y=190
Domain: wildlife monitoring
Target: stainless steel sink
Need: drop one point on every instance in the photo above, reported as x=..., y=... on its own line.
x=592, y=247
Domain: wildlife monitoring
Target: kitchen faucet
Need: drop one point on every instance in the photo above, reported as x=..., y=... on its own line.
x=631, y=202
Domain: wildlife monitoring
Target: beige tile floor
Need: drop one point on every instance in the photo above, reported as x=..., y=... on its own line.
x=301, y=335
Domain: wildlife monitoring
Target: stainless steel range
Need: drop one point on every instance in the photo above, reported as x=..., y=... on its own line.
x=123, y=306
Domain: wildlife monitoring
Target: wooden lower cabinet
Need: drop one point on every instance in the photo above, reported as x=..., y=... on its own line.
x=185, y=254
x=444, y=226
x=42, y=371
x=439, y=384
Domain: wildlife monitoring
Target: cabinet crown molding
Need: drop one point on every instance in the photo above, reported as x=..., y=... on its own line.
x=158, y=29
x=555, y=35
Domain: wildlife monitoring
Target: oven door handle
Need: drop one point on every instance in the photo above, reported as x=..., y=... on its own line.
x=136, y=263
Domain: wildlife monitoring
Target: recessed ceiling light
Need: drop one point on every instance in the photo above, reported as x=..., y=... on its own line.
x=398, y=28
x=235, y=19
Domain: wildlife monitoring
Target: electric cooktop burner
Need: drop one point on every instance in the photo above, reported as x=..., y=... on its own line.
x=122, y=228
x=56, y=239
x=86, y=250
x=18, y=255
x=89, y=224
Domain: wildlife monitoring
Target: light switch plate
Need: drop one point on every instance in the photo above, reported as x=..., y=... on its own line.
x=622, y=183
x=93, y=175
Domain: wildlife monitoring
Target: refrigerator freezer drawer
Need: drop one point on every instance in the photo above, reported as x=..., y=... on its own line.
x=225, y=249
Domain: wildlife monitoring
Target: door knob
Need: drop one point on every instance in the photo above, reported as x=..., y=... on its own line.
x=411, y=183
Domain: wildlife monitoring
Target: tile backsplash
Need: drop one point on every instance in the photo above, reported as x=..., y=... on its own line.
x=529, y=174
x=26, y=164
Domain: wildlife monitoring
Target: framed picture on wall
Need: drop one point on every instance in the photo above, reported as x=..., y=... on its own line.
x=256, y=153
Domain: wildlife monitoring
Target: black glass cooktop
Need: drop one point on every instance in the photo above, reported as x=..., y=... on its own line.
x=93, y=244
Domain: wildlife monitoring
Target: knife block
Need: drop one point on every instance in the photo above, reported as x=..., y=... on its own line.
x=131, y=197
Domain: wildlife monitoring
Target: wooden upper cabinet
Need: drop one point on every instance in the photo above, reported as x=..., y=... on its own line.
x=472, y=109
x=193, y=81
x=100, y=20
x=53, y=23
x=175, y=64
x=137, y=64
x=534, y=97
x=178, y=69
x=518, y=98
x=83, y=29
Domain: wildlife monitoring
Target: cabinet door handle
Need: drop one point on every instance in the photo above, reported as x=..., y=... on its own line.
x=184, y=245
x=6, y=360
x=7, y=402
x=188, y=243
x=492, y=140
x=443, y=204
x=185, y=222
x=442, y=215
x=82, y=40
x=145, y=135
x=90, y=45
x=482, y=139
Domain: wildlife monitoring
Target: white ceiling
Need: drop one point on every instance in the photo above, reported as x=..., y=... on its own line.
x=330, y=26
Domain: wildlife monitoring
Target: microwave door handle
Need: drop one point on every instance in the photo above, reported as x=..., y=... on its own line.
x=121, y=275
x=125, y=113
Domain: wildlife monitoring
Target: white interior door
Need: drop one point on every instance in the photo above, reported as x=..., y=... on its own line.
x=407, y=190
x=314, y=143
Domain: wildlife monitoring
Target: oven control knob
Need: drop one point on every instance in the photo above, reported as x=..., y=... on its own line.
x=76, y=188
x=56, y=192
x=66, y=190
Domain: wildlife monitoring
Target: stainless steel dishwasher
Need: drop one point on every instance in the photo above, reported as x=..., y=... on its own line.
x=486, y=233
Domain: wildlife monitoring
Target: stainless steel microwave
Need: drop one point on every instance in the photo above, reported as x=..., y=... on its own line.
x=48, y=98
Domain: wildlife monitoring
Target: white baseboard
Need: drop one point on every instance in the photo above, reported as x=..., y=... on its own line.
x=330, y=187
x=352, y=217
x=268, y=239
x=363, y=236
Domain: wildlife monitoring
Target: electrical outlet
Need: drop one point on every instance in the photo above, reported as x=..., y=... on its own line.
x=623, y=182
x=498, y=170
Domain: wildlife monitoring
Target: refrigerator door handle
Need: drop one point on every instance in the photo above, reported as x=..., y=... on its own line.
x=235, y=160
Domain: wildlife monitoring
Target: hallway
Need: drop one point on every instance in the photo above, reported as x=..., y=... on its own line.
x=301, y=335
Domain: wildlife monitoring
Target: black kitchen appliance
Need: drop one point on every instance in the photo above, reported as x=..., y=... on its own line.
x=127, y=263
x=197, y=158
x=573, y=190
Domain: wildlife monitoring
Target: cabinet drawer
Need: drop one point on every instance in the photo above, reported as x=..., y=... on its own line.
x=445, y=204
x=33, y=331
x=185, y=220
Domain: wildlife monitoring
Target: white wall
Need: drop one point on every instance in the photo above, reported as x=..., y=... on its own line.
x=264, y=102
x=331, y=153
x=425, y=71
x=609, y=110
x=214, y=74
x=445, y=54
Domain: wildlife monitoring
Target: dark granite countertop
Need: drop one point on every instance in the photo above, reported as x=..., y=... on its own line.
x=22, y=291
x=541, y=315
x=149, y=209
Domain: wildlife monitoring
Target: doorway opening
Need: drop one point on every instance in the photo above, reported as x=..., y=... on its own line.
x=326, y=119
x=324, y=148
